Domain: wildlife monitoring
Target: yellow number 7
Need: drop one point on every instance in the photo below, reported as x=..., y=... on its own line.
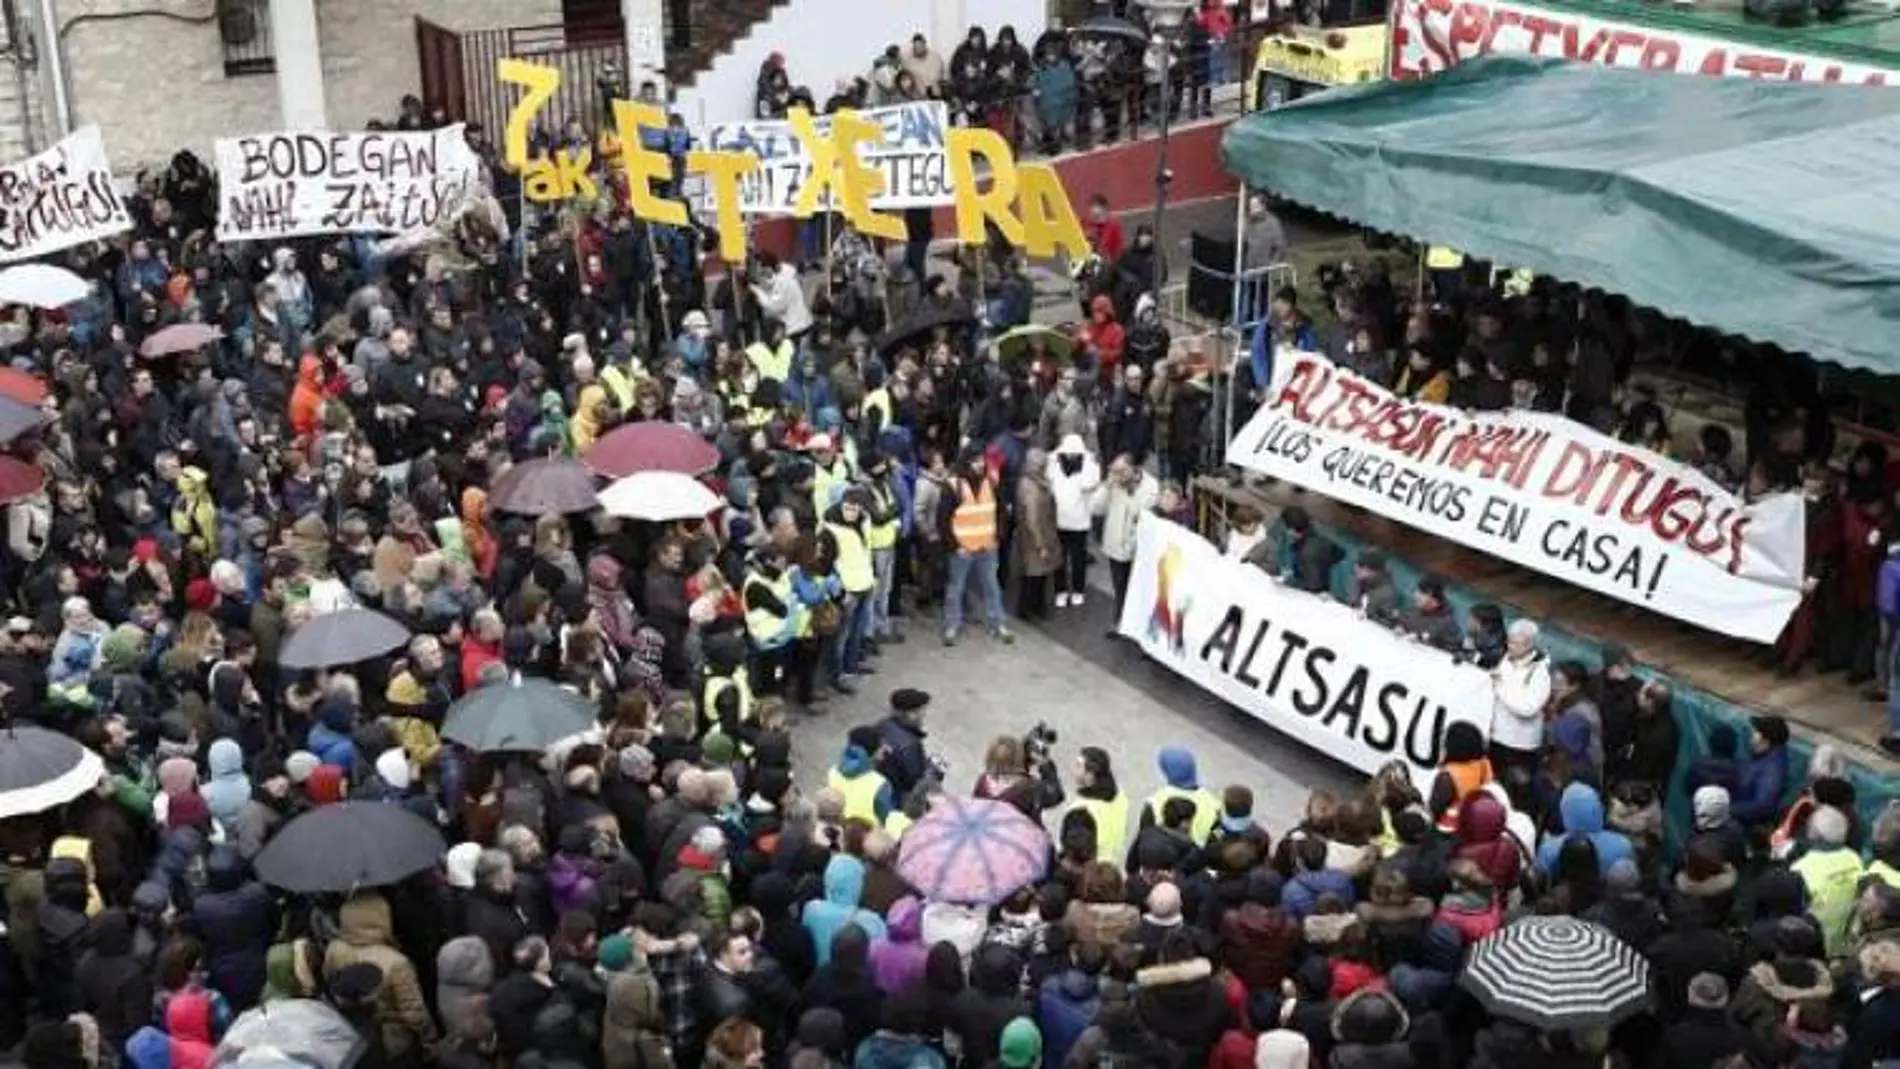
x=541, y=84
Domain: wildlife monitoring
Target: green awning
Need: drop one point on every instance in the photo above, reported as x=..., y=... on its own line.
x=1765, y=209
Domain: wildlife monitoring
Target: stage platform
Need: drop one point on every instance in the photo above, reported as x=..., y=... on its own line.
x=1820, y=708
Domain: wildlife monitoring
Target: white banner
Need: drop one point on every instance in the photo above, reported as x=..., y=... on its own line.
x=1298, y=662
x=912, y=159
x=60, y=198
x=1537, y=490
x=1434, y=35
x=286, y=185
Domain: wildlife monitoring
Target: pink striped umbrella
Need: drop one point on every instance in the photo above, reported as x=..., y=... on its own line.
x=972, y=852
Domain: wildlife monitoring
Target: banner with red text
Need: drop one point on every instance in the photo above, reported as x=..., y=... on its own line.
x=1538, y=490
x=1429, y=36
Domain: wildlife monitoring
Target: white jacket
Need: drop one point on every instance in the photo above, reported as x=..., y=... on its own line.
x=1121, y=509
x=1520, y=690
x=782, y=297
x=1072, y=491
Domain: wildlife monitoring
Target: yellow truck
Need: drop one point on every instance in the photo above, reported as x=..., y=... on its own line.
x=1305, y=59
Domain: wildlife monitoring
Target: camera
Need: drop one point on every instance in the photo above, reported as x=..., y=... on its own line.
x=1039, y=740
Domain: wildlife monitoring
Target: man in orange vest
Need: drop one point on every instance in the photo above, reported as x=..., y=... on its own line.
x=974, y=537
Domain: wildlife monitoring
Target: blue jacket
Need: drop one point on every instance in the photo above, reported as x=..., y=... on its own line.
x=1582, y=811
x=1302, y=894
x=235, y=921
x=1065, y=1007
x=1887, y=589
x=330, y=737
x=883, y=1050
x=1764, y=778
x=844, y=884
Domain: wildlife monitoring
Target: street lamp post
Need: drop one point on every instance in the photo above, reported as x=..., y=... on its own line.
x=1164, y=19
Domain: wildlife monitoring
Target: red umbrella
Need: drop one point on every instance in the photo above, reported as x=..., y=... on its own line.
x=18, y=479
x=180, y=338
x=22, y=387
x=651, y=446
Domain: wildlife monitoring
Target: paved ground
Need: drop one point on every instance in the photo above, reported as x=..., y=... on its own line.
x=1093, y=691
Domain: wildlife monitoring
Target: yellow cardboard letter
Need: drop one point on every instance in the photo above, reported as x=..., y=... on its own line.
x=1049, y=221
x=722, y=171
x=824, y=164
x=974, y=207
x=541, y=84
x=862, y=183
x=644, y=165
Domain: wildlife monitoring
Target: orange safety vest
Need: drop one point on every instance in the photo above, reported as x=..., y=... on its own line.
x=1466, y=776
x=973, y=524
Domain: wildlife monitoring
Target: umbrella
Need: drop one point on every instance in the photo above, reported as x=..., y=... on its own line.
x=18, y=479
x=180, y=338
x=345, y=636
x=1109, y=26
x=547, y=485
x=972, y=852
x=523, y=715
x=40, y=769
x=22, y=387
x=651, y=446
x=1557, y=973
x=926, y=318
x=294, y=1031
x=17, y=418
x=42, y=286
x=1015, y=344
x=659, y=496
x=348, y=846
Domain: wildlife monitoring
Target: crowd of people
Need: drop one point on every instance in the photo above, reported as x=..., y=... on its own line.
x=659, y=892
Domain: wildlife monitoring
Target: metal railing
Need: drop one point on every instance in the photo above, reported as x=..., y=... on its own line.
x=245, y=33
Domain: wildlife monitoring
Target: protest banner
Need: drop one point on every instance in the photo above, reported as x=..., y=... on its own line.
x=1538, y=490
x=1429, y=36
x=60, y=198
x=912, y=157
x=289, y=184
x=1301, y=663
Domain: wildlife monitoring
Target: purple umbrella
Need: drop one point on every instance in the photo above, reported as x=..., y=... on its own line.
x=972, y=852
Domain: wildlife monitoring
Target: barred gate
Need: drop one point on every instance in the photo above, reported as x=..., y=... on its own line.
x=458, y=70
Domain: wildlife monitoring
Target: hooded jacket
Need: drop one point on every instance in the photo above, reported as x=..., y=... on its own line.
x=1582, y=811
x=633, y=1030
x=366, y=934
x=1484, y=839
x=331, y=738
x=229, y=788
x=1066, y=1006
x=897, y=960
x=236, y=920
x=844, y=887
x=1180, y=1003
x=992, y=1000
x=463, y=971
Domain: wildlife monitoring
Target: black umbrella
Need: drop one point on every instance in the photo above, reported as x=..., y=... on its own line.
x=923, y=320
x=1109, y=26
x=521, y=715
x=349, y=846
x=540, y=487
x=345, y=636
x=17, y=418
x=40, y=769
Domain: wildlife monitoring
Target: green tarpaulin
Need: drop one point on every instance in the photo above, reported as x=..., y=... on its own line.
x=1765, y=209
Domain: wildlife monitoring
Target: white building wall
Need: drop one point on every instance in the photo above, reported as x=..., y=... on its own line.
x=825, y=40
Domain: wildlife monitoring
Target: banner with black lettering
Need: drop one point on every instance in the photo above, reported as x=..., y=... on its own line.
x=287, y=185
x=60, y=198
x=1539, y=491
x=911, y=156
x=1298, y=662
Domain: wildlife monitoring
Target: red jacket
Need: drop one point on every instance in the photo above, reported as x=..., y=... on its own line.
x=477, y=655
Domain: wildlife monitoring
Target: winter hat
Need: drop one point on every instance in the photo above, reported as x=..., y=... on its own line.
x=1177, y=768
x=615, y=953
x=1021, y=1045
x=124, y=648
x=299, y=765
x=717, y=749
x=200, y=595
x=771, y=784
x=637, y=764
x=1623, y=878
x=177, y=775
x=459, y=864
x=1710, y=806
x=356, y=983
x=393, y=767
x=709, y=840
x=1707, y=991
x=1282, y=1048
x=325, y=784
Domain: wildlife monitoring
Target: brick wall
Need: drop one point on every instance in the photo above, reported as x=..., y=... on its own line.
x=156, y=84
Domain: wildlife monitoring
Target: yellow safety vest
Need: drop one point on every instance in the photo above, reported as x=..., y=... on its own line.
x=1443, y=258
x=766, y=630
x=1885, y=873
x=973, y=524
x=883, y=535
x=1111, y=826
x=718, y=685
x=879, y=401
x=822, y=482
x=620, y=385
x=860, y=793
x=774, y=364
x=1206, y=809
x=1833, y=880
x=854, y=559
x=897, y=824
